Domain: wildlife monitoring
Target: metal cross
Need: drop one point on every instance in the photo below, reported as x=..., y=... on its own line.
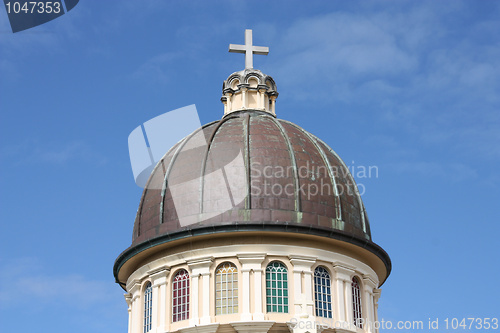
x=248, y=49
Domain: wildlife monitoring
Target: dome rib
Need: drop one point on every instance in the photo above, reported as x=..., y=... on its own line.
x=171, y=164
x=271, y=142
x=298, y=199
x=351, y=178
x=246, y=134
x=205, y=157
x=336, y=199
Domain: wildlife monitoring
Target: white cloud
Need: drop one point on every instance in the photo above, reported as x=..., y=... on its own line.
x=155, y=69
x=452, y=172
x=23, y=281
x=60, y=153
x=417, y=68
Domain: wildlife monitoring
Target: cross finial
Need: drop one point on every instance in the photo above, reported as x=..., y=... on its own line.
x=248, y=49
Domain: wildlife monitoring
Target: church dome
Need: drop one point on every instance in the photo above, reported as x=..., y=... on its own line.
x=251, y=223
x=250, y=171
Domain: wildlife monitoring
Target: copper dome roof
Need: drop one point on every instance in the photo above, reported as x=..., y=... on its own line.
x=250, y=172
x=287, y=176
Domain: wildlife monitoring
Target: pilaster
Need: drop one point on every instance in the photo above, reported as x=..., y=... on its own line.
x=159, y=278
x=252, y=262
x=368, y=286
x=200, y=267
x=343, y=297
x=135, y=301
x=303, y=295
x=376, y=296
x=128, y=299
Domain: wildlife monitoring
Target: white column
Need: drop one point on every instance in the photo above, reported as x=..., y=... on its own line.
x=369, y=314
x=244, y=98
x=245, y=301
x=303, y=295
x=348, y=304
x=224, y=101
x=194, y=303
x=343, y=295
x=262, y=95
x=376, y=296
x=273, y=104
x=134, y=289
x=339, y=300
x=136, y=314
x=252, y=262
x=200, y=267
x=205, y=314
x=229, y=102
x=258, y=314
x=128, y=299
x=159, y=278
x=297, y=292
x=309, y=287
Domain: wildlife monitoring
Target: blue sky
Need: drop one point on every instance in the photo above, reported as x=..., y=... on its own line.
x=409, y=87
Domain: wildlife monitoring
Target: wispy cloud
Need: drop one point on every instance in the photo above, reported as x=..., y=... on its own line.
x=451, y=172
x=418, y=69
x=155, y=69
x=54, y=153
x=24, y=281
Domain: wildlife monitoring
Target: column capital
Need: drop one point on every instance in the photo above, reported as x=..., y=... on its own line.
x=133, y=286
x=128, y=298
x=369, y=282
x=162, y=270
x=200, y=265
x=343, y=272
x=251, y=261
x=159, y=275
x=251, y=257
x=302, y=263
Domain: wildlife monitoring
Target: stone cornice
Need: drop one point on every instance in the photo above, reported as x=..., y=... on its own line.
x=200, y=265
x=252, y=326
x=302, y=263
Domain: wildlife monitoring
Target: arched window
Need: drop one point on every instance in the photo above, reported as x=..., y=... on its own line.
x=322, y=293
x=356, y=302
x=148, y=307
x=276, y=287
x=180, y=296
x=226, y=289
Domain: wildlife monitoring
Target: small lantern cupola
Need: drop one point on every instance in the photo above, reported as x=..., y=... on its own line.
x=249, y=89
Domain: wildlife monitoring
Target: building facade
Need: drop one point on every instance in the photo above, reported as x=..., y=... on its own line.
x=251, y=224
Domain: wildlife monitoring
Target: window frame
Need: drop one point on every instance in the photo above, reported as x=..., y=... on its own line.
x=180, y=303
x=357, y=308
x=148, y=307
x=226, y=299
x=323, y=293
x=271, y=306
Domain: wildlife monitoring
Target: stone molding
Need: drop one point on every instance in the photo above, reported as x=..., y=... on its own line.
x=252, y=326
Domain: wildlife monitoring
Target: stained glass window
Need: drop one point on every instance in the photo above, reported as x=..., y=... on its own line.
x=180, y=296
x=148, y=307
x=356, y=302
x=276, y=287
x=226, y=289
x=322, y=293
